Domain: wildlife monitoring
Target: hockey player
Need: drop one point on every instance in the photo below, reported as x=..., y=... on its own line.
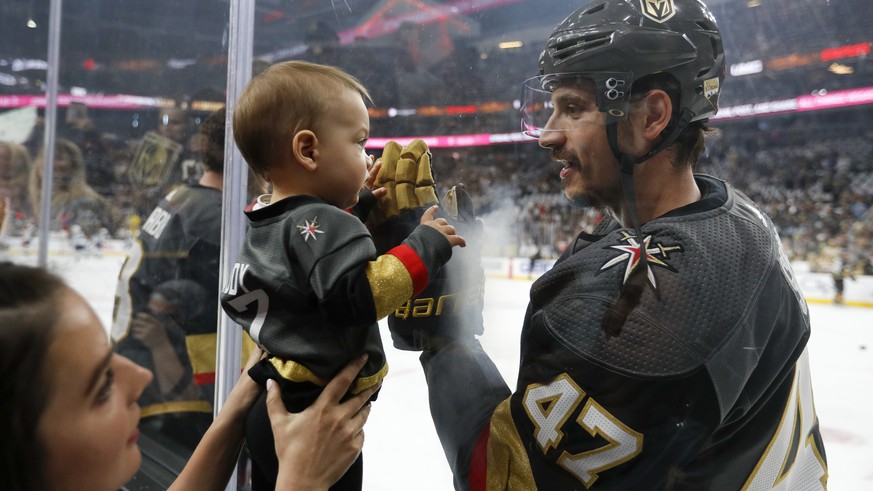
x=666, y=349
x=308, y=285
x=175, y=261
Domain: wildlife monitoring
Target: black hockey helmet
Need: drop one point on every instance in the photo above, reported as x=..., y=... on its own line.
x=617, y=42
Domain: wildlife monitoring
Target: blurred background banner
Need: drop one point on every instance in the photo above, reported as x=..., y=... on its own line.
x=16, y=125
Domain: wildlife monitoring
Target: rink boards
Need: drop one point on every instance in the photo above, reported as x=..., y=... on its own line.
x=816, y=287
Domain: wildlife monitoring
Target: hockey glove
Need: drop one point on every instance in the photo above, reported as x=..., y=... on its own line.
x=407, y=175
x=450, y=307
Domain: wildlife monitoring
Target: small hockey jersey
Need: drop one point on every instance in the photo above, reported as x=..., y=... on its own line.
x=309, y=288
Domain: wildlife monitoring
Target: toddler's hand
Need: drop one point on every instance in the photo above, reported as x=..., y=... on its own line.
x=443, y=226
x=372, y=172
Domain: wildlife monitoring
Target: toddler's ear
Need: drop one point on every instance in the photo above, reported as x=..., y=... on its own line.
x=304, y=147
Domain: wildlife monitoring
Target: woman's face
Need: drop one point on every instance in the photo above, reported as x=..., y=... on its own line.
x=89, y=427
x=62, y=174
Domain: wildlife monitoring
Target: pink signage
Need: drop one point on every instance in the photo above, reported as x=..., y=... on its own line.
x=94, y=101
x=839, y=98
x=454, y=141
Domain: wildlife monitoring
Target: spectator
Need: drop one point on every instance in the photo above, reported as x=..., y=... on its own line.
x=14, y=170
x=73, y=200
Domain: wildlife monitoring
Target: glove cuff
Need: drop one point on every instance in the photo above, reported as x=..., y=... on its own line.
x=428, y=322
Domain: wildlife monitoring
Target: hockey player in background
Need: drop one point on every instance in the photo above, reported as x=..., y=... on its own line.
x=842, y=269
x=166, y=311
x=666, y=349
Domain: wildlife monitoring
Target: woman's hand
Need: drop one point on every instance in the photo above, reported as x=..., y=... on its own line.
x=317, y=446
x=247, y=390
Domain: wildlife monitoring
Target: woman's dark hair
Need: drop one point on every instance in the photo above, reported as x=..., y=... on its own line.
x=28, y=314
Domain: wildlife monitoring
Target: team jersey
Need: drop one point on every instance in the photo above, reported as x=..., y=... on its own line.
x=309, y=288
x=707, y=385
x=178, y=247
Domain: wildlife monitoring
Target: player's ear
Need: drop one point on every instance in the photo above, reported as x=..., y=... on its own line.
x=658, y=109
x=304, y=147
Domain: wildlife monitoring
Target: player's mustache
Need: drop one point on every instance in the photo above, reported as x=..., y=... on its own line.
x=559, y=154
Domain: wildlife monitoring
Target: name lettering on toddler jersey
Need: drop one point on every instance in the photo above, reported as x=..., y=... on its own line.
x=236, y=278
x=255, y=303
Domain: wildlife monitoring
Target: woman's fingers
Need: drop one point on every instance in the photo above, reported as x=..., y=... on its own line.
x=339, y=386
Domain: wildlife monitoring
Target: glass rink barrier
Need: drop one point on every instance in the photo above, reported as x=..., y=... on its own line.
x=119, y=173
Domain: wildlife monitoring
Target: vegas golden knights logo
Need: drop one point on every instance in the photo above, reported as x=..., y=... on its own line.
x=658, y=10
x=153, y=163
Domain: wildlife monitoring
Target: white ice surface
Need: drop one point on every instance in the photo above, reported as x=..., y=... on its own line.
x=402, y=451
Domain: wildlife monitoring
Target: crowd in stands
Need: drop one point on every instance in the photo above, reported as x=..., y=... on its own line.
x=814, y=176
x=818, y=189
x=400, y=72
x=818, y=185
x=780, y=27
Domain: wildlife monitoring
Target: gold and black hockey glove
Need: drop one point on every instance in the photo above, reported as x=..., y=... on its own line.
x=407, y=175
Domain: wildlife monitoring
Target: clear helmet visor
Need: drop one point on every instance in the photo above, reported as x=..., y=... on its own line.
x=565, y=101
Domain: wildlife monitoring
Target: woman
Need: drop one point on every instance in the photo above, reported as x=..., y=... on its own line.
x=74, y=202
x=14, y=170
x=69, y=414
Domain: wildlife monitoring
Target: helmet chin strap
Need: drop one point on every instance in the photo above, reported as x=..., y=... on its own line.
x=633, y=287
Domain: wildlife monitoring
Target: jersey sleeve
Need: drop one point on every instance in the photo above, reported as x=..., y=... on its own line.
x=352, y=284
x=404, y=271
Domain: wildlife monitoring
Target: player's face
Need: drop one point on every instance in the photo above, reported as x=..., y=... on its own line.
x=89, y=427
x=576, y=138
x=343, y=161
x=173, y=125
